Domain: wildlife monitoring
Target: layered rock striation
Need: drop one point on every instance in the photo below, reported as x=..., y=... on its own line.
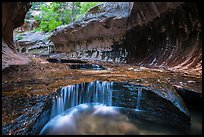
x=166, y=35
x=13, y=14
x=157, y=34
x=96, y=35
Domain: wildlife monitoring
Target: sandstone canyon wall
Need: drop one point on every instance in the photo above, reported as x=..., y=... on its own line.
x=158, y=34
x=13, y=14
x=96, y=35
x=166, y=35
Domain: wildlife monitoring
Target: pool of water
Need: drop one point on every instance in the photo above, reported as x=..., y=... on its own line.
x=118, y=108
x=87, y=66
x=100, y=119
x=76, y=64
x=59, y=60
x=196, y=124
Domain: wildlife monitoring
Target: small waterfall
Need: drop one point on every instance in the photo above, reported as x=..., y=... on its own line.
x=138, y=99
x=73, y=95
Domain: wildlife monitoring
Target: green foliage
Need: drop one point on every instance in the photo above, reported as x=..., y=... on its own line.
x=19, y=37
x=86, y=6
x=49, y=17
x=54, y=14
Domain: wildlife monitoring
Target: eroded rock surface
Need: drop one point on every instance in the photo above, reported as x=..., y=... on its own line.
x=166, y=35
x=34, y=42
x=29, y=86
x=96, y=35
x=9, y=57
x=157, y=34
x=13, y=14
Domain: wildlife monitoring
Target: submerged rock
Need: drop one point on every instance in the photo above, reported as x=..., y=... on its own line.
x=98, y=119
x=87, y=119
x=153, y=101
x=40, y=78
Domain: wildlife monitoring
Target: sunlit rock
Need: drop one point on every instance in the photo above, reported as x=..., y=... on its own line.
x=34, y=42
x=97, y=35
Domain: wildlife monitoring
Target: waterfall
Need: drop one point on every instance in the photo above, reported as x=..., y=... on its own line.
x=138, y=99
x=73, y=95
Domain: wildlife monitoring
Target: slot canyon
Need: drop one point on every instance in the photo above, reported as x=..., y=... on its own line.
x=123, y=68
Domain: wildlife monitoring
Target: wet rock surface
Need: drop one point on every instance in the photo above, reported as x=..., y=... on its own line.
x=165, y=56
x=191, y=98
x=25, y=111
x=40, y=78
x=123, y=94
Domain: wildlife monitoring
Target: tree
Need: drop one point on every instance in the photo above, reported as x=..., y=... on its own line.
x=54, y=14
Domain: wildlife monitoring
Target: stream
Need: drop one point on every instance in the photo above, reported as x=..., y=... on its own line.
x=116, y=108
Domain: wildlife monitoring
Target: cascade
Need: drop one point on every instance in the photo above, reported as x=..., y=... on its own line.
x=138, y=99
x=73, y=95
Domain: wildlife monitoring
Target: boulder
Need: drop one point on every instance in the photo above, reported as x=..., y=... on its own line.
x=34, y=42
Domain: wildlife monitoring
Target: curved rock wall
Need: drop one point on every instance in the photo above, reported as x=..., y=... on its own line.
x=158, y=34
x=96, y=34
x=13, y=14
x=166, y=35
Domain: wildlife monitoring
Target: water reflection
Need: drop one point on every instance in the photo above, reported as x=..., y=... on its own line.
x=134, y=101
x=137, y=97
x=90, y=119
x=99, y=119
